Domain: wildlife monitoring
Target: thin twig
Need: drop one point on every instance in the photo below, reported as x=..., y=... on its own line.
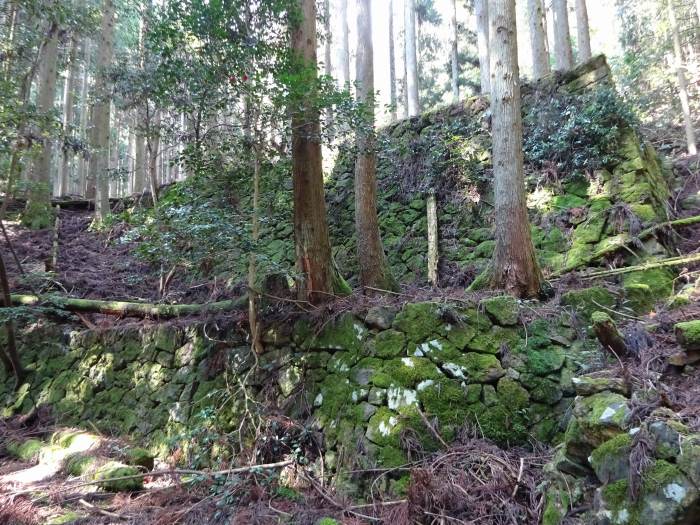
x=97, y=509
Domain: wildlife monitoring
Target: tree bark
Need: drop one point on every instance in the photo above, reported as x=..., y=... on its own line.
x=433, y=254
x=153, y=148
x=563, y=55
x=68, y=112
x=84, y=119
x=318, y=277
x=99, y=160
x=607, y=333
x=392, y=64
x=583, y=32
x=374, y=267
x=538, y=40
x=38, y=214
x=681, y=79
x=411, y=58
x=327, y=65
x=514, y=264
x=455, y=54
x=481, y=11
x=344, y=47
x=11, y=359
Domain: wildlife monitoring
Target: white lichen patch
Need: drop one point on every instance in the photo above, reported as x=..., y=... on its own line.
x=448, y=327
x=633, y=431
x=318, y=400
x=425, y=384
x=385, y=427
x=398, y=397
x=675, y=492
x=418, y=352
x=608, y=414
x=407, y=361
x=435, y=344
x=623, y=516
x=454, y=370
x=360, y=331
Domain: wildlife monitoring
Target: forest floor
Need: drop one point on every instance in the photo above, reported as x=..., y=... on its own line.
x=93, y=265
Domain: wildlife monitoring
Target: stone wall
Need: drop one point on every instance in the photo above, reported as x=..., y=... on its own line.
x=368, y=381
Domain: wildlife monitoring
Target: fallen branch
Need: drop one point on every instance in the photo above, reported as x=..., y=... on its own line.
x=159, y=473
x=660, y=263
x=128, y=309
x=624, y=241
x=98, y=510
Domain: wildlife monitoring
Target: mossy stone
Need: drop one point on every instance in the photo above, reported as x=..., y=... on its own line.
x=504, y=309
x=610, y=461
x=25, y=450
x=114, y=469
x=389, y=343
x=384, y=428
x=418, y=321
x=140, y=457
x=409, y=371
x=644, y=289
x=346, y=333
x=588, y=300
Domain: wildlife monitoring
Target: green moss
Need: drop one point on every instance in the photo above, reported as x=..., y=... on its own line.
x=483, y=250
x=557, y=503
x=544, y=362
x=384, y=428
x=610, y=461
x=512, y=394
x=504, y=309
x=389, y=343
x=391, y=457
x=615, y=494
x=643, y=289
x=409, y=371
x=26, y=450
x=140, y=457
x=418, y=321
x=688, y=334
x=346, y=333
x=499, y=423
x=79, y=464
x=588, y=300
x=114, y=469
x=660, y=473
x=66, y=518
x=445, y=399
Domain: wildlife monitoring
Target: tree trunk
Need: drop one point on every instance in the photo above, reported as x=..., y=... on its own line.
x=514, y=265
x=99, y=161
x=538, y=40
x=374, y=267
x=481, y=8
x=68, y=112
x=84, y=119
x=344, y=48
x=153, y=147
x=327, y=69
x=11, y=359
x=411, y=59
x=313, y=248
x=37, y=213
x=563, y=55
x=392, y=64
x=583, y=31
x=681, y=78
x=455, y=54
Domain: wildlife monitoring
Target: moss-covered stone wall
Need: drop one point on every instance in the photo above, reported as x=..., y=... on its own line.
x=370, y=381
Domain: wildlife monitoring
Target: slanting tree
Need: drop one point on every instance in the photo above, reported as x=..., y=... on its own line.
x=37, y=213
x=514, y=266
x=100, y=132
x=582, y=31
x=481, y=11
x=538, y=39
x=318, y=276
x=411, y=57
x=374, y=267
x=681, y=78
x=563, y=55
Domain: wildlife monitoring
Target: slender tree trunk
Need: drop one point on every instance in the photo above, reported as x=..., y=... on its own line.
x=538, y=39
x=374, y=267
x=481, y=8
x=11, y=359
x=392, y=64
x=153, y=147
x=455, y=53
x=411, y=59
x=99, y=161
x=327, y=66
x=344, y=47
x=68, y=112
x=131, y=162
x=514, y=264
x=84, y=119
x=313, y=247
x=563, y=55
x=681, y=78
x=583, y=31
x=37, y=213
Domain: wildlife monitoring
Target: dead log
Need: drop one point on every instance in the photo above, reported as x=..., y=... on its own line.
x=607, y=333
x=129, y=309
